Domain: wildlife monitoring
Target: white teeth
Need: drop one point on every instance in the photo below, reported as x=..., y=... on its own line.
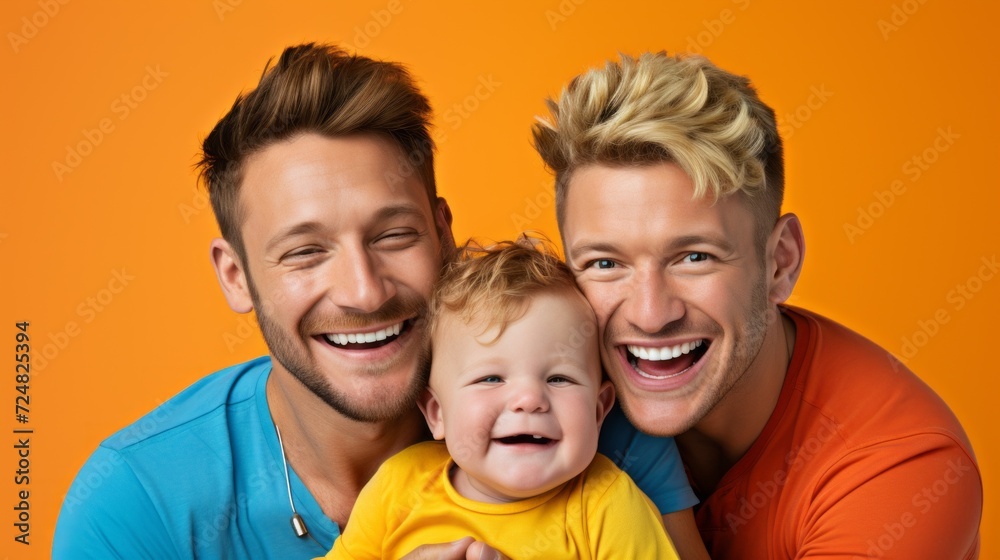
x=354, y=338
x=537, y=437
x=665, y=353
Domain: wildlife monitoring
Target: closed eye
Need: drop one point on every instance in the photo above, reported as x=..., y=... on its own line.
x=490, y=379
x=301, y=253
x=397, y=239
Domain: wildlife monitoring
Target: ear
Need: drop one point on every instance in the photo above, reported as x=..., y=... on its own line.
x=442, y=220
x=605, y=398
x=431, y=407
x=786, y=249
x=232, y=279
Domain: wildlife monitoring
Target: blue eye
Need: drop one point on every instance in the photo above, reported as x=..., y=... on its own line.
x=559, y=379
x=696, y=257
x=490, y=379
x=602, y=264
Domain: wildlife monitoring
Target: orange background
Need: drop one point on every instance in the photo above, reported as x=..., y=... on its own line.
x=858, y=99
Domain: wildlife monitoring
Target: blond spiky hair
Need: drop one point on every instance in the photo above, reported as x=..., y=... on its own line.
x=678, y=109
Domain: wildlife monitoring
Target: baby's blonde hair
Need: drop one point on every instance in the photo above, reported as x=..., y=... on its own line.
x=492, y=286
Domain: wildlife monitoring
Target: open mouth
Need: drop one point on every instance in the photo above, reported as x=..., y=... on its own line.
x=372, y=339
x=531, y=439
x=667, y=361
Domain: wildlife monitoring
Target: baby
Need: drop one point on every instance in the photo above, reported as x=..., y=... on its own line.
x=517, y=394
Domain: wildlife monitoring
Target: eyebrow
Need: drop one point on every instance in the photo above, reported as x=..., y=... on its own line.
x=596, y=247
x=675, y=244
x=297, y=229
x=688, y=240
x=389, y=212
x=383, y=214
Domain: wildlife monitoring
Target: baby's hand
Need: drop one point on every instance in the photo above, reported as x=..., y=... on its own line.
x=463, y=549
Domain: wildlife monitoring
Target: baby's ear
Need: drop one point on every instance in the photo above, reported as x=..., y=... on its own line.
x=605, y=399
x=429, y=405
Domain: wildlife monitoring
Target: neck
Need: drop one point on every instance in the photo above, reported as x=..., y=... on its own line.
x=726, y=433
x=333, y=455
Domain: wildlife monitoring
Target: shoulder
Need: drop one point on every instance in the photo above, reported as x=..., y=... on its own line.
x=849, y=382
x=142, y=485
x=602, y=477
x=860, y=419
x=207, y=398
x=190, y=433
x=419, y=457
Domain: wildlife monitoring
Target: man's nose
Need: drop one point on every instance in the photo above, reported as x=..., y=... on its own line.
x=654, y=301
x=360, y=283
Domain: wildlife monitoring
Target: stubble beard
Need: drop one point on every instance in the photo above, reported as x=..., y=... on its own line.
x=384, y=403
x=746, y=347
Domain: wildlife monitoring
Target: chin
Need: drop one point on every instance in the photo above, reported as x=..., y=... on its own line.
x=656, y=418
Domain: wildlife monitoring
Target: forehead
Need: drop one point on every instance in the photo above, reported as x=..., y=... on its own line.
x=650, y=201
x=312, y=176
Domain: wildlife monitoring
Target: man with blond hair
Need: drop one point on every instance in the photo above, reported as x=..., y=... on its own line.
x=801, y=438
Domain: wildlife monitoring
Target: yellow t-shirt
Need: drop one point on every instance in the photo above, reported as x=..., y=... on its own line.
x=410, y=502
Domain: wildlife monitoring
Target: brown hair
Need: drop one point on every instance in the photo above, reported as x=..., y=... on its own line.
x=492, y=286
x=322, y=89
x=678, y=109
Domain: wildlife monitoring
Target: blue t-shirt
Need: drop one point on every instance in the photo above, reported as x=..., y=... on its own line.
x=201, y=477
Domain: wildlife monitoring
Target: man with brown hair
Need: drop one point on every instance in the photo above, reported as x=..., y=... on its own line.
x=322, y=182
x=802, y=439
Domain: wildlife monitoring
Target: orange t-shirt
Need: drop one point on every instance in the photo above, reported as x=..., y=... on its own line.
x=860, y=459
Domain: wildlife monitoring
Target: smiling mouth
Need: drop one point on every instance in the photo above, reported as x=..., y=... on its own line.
x=519, y=439
x=371, y=339
x=664, y=362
